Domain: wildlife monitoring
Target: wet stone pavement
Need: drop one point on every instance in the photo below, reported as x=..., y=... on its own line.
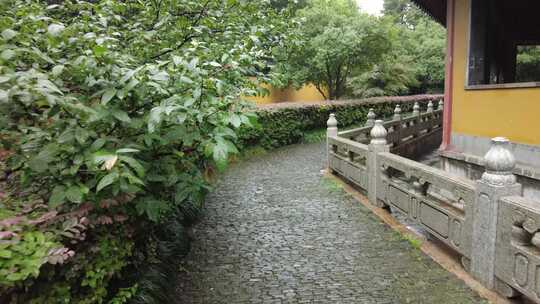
x=276, y=231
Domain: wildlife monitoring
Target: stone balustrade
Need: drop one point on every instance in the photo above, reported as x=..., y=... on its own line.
x=405, y=131
x=488, y=222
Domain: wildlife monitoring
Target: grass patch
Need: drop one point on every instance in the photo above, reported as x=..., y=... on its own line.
x=314, y=136
x=332, y=185
x=252, y=152
x=416, y=243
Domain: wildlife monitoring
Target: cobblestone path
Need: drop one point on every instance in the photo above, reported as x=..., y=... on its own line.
x=276, y=231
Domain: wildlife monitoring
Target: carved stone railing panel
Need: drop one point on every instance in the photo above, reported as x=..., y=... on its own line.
x=518, y=246
x=431, y=197
x=348, y=158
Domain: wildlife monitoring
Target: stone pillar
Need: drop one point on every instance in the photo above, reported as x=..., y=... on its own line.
x=331, y=130
x=370, y=122
x=441, y=105
x=377, y=144
x=496, y=182
x=430, y=107
x=416, y=109
x=397, y=112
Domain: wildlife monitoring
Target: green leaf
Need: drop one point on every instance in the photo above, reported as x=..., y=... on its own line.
x=161, y=76
x=186, y=79
x=131, y=84
x=55, y=29
x=99, y=50
x=74, y=194
x=154, y=119
x=177, y=60
x=98, y=144
x=153, y=208
x=127, y=76
x=38, y=164
x=3, y=95
x=235, y=120
x=7, y=54
x=220, y=153
x=81, y=135
x=132, y=178
x=122, y=116
x=57, y=70
x=127, y=150
x=103, y=156
x=134, y=164
x=5, y=254
x=41, y=55
x=67, y=136
x=57, y=197
x=108, y=95
x=107, y=180
x=7, y=34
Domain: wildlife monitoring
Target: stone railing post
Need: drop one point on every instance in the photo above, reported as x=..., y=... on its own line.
x=377, y=144
x=416, y=109
x=430, y=120
x=416, y=113
x=397, y=127
x=370, y=122
x=441, y=105
x=496, y=182
x=331, y=130
x=430, y=107
x=397, y=112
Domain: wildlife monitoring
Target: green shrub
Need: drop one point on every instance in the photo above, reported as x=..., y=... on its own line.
x=287, y=123
x=113, y=116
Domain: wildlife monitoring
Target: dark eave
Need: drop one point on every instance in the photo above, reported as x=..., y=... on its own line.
x=434, y=8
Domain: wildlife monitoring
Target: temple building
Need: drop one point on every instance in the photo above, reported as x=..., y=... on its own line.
x=492, y=85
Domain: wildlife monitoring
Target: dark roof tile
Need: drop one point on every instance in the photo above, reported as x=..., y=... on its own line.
x=434, y=8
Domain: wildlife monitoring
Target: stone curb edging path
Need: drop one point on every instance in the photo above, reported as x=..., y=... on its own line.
x=276, y=231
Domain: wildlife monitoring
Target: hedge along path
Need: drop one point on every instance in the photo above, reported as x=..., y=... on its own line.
x=275, y=230
x=353, y=102
x=283, y=124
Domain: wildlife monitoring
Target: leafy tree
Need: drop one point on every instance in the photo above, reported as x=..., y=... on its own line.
x=420, y=43
x=333, y=42
x=528, y=64
x=391, y=77
x=114, y=115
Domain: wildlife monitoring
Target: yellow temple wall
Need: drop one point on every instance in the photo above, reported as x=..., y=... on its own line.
x=307, y=93
x=513, y=113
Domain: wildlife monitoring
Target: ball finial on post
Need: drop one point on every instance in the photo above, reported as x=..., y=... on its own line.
x=331, y=124
x=397, y=112
x=430, y=107
x=416, y=109
x=370, y=118
x=441, y=105
x=378, y=134
x=499, y=163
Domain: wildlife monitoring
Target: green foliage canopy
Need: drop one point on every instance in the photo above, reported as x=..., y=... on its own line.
x=333, y=42
x=115, y=113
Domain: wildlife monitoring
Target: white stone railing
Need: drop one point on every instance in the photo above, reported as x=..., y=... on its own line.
x=488, y=222
x=400, y=128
